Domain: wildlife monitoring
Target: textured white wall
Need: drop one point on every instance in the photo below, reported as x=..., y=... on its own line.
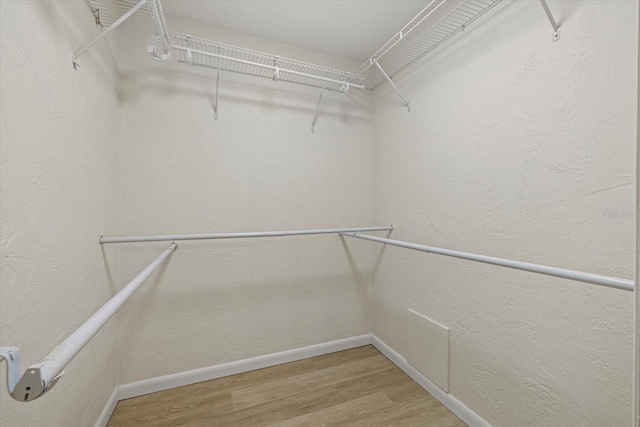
x=257, y=168
x=59, y=150
x=515, y=147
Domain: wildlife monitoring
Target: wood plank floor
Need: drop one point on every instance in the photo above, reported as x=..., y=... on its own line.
x=358, y=387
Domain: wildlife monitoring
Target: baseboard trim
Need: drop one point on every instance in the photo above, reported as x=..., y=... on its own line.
x=166, y=382
x=454, y=405
x=103, y=419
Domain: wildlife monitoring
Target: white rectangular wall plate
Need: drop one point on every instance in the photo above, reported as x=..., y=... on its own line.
x=428, y=348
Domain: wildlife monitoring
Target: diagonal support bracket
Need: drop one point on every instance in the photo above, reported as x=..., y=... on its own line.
x=106, y=31
x=386, y=76
x=215, y=100
x=315, y=115
x=554, y=24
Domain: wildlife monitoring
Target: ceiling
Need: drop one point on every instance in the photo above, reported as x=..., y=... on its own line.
x=349, y=28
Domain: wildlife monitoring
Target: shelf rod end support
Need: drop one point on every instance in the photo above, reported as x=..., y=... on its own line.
x=554, y=23
x=386, y=76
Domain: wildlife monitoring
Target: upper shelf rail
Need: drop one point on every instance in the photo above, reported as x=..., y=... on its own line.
x=611, y=282
x=41, y=377
x=224, y=57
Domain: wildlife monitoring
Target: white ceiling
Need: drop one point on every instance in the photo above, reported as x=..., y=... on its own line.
x=349, y=28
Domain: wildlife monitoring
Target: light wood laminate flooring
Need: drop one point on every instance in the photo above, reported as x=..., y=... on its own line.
x=357, y=387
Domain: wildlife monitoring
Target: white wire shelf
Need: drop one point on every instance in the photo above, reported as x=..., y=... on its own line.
x=224, y=57
x=434, y=25
x=147, y=15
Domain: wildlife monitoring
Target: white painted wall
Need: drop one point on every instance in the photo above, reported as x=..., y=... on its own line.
x=59, y=147
x=515, y=147
x=257, y=168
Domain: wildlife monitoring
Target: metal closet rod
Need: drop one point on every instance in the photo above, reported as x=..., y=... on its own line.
x=167, y=237
x=41, y=377
x=580, y=276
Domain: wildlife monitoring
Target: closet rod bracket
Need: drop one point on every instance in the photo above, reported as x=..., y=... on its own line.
x=393, y=85
x=161, y=36
x=11, y=355
x=554, y=23
x=31, y=385
x=152, y=45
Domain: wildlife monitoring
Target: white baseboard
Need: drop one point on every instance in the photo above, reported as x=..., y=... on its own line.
x=454, y=405
x=103, y=419
x=152, y=385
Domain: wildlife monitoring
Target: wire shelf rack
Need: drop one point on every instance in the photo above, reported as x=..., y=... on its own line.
x=224, y=57
x=434, y=25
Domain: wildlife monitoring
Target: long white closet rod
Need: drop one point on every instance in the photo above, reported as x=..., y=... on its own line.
x=636, y=335
x=41, y=377
x=611, y=282
x=167, y=237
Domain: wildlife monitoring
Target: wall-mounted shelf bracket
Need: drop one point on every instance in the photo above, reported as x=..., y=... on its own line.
x=386, y=76
x=315, y=115
x=95, y=12
x=554, y=24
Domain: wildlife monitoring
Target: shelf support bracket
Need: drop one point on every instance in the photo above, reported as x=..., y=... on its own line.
x=95, y=12
x=106, y=31
x=215, y=101
x=315, y=115
x=554, y=24
x=386, y=76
